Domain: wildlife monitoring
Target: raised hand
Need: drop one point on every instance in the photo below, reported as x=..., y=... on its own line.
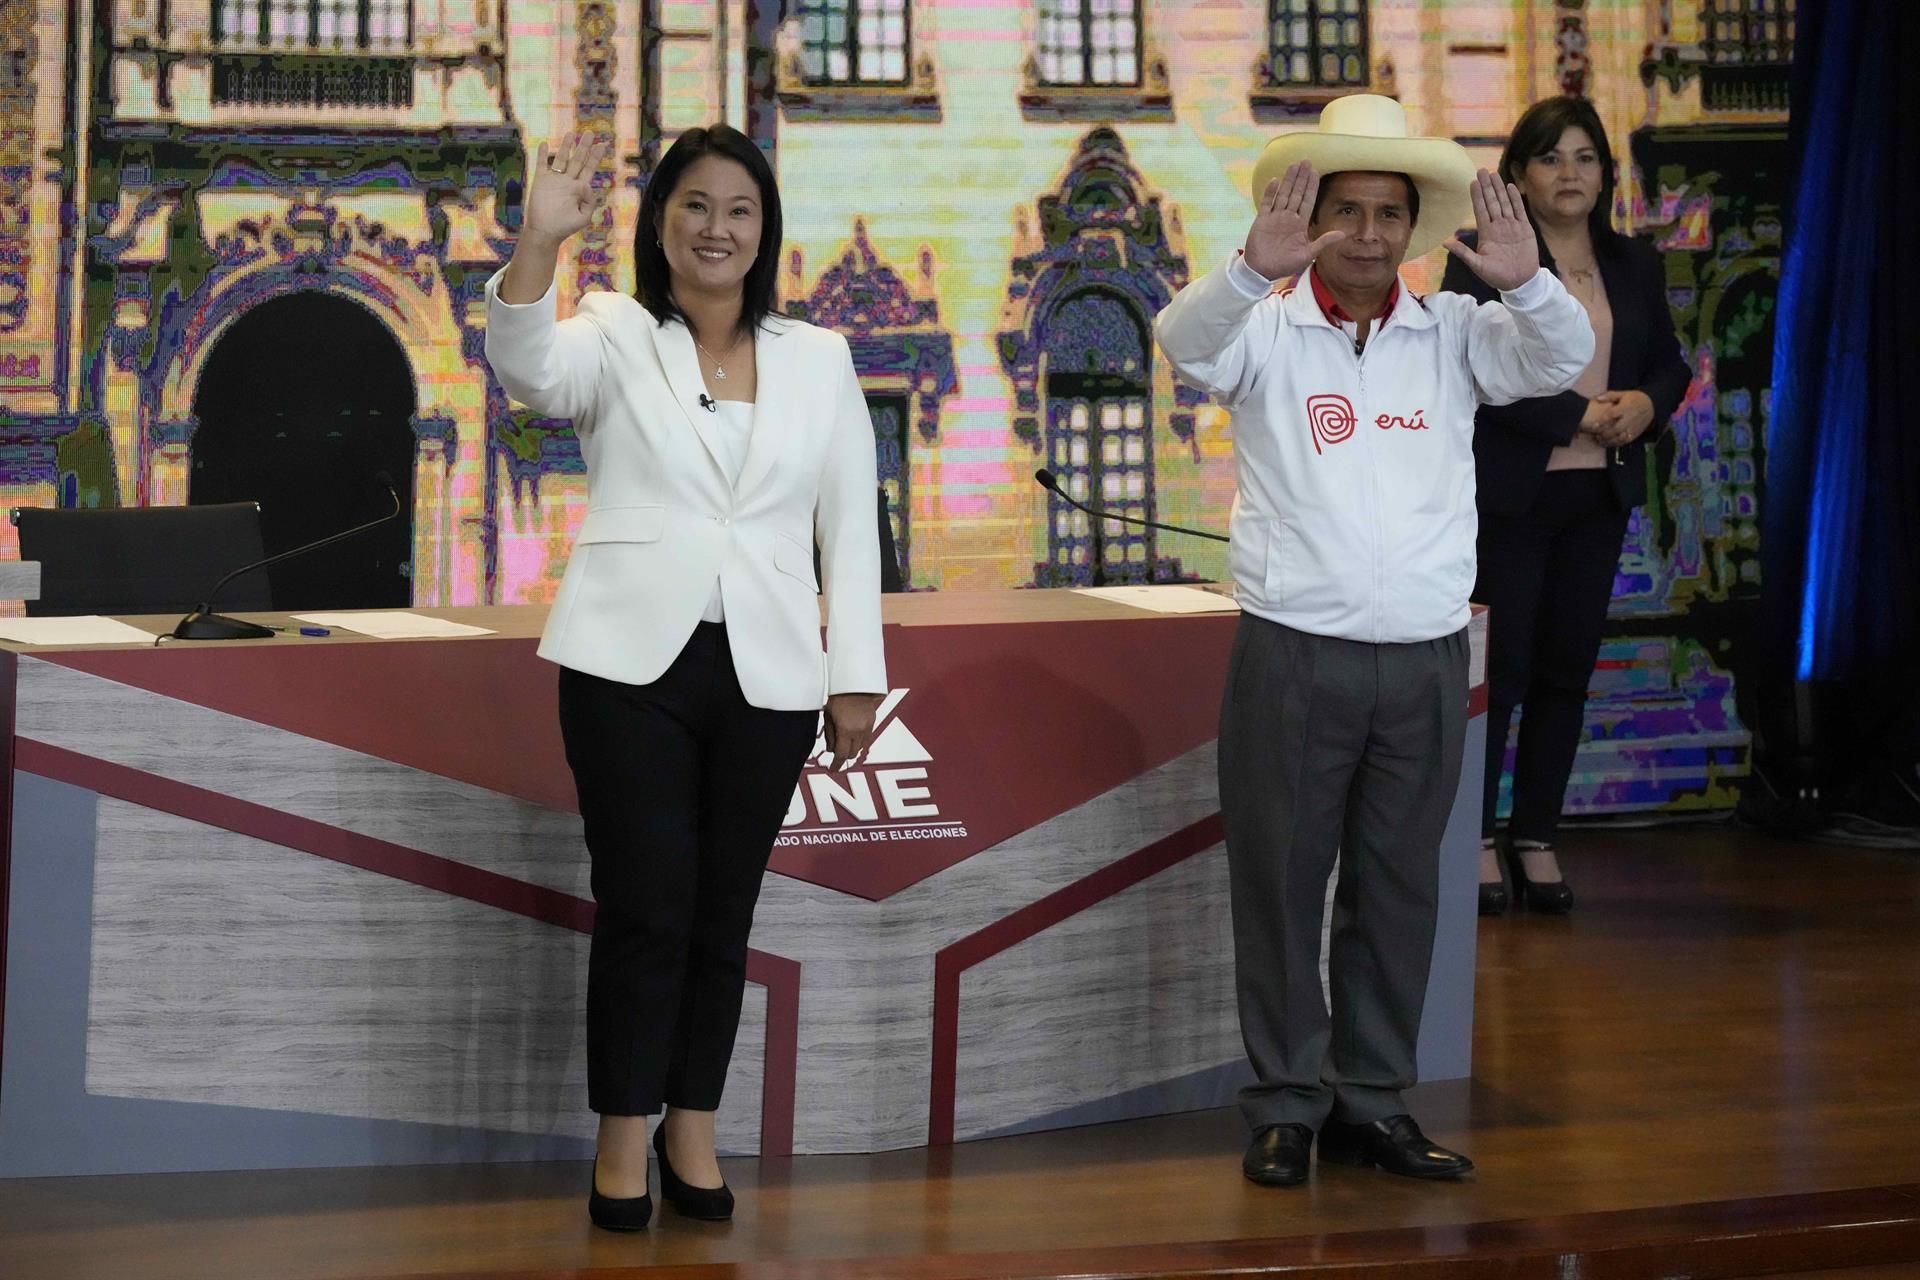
x=564, y=199
x=1507, y=254
x=1280, y=243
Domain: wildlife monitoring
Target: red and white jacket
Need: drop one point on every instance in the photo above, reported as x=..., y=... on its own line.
x=1355, y=512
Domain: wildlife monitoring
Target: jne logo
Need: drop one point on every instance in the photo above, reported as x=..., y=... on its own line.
x=887, y=796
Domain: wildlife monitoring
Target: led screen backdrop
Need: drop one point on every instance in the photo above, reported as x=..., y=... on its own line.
x=242, y=245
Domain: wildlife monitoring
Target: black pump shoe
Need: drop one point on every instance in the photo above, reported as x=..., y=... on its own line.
x=609, y=1214
x=1553, y=898
x=1493, y=897
x=1493, y=893
x=708, y=1204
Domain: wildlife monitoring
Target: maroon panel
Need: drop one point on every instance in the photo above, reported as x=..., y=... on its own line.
x=1021, y=723
x=780, y=1055
x=481, y=711
x=1010, y=725
x=1477, y=701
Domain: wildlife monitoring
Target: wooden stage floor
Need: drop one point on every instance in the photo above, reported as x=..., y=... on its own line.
x=1707, y=1071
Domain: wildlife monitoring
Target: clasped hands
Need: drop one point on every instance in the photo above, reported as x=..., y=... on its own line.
x=1615, y=419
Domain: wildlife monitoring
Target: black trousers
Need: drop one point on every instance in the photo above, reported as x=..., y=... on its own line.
x=1546, y=575
x=682, y=787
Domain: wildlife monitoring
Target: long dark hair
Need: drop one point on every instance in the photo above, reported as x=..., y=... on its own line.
x=653, y=280
x=1539, y=133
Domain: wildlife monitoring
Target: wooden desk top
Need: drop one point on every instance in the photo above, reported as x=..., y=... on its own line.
x=523, y=622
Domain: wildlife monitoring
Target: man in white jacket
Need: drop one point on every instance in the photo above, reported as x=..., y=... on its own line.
x=1344, y=717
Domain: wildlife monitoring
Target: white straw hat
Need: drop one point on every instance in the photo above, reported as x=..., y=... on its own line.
x=1364, y=132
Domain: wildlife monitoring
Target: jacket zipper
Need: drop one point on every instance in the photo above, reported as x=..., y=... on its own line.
x=1373, y=491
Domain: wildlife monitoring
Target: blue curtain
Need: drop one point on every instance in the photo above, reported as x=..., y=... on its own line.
x=1841, y=534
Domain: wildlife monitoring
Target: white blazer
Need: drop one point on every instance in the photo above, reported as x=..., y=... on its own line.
x=664, y=520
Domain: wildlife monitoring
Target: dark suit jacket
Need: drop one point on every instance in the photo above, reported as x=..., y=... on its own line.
x=1511, y=443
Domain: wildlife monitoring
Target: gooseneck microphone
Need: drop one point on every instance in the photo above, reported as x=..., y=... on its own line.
x=204, y=624
x=1051, y=483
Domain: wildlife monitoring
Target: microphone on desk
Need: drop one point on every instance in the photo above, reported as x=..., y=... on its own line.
x=707, y=403
x=204, y=624
x=1051, y=483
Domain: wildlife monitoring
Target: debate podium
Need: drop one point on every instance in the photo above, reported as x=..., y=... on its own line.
x=323, y=901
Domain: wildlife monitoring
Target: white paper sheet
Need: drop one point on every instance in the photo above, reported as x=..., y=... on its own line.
x=88, y=628
x=393, y=625
x=1165, y=599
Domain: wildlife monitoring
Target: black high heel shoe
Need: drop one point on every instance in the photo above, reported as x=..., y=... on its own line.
x=1493, y=893
x=629, y=1214
x=1493, y=897
x=1554, y=898
x=708, y=1204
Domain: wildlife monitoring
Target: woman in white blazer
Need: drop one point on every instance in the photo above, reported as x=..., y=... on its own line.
x=721, y=442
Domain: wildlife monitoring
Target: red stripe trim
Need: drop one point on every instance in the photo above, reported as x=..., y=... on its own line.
x=957, y=957
x=779, y=975
x=1476, y=701
x=429, y=871
x=780, y=1057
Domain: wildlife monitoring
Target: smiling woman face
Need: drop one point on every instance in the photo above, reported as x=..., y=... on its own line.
x=710, y=228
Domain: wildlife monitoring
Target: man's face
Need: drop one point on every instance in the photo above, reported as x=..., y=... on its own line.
x=1374, y=209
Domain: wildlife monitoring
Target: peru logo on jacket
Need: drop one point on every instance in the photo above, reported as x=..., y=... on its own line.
x=1331, y=418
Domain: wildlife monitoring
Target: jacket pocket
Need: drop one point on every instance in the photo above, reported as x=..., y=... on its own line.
x=794, y=560
x=1247, y=557
x=1309, y=576
x=1273, y=566
x=622, y=524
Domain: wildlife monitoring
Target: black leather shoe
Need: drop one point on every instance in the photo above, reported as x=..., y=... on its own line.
x=1394, y=1144
x=630, y=1214
x=1552, y=898
x=708, y=1204
x=1277, y=1156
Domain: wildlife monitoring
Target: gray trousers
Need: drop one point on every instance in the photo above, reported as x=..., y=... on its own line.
x=1335, y=748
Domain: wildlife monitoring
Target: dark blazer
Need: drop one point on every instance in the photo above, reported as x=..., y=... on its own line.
x=1511, y=443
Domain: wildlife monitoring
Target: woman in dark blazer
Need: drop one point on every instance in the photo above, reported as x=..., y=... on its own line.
x=1557, y=477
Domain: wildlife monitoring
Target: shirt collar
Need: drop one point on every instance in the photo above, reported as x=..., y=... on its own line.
x=1336, y=314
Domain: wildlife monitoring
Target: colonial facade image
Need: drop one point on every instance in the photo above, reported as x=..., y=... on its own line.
x=243, y=245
